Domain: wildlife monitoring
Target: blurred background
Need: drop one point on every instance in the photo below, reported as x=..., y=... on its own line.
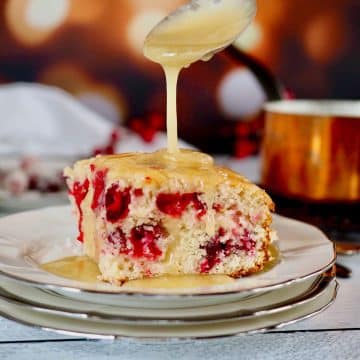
x=93, y=49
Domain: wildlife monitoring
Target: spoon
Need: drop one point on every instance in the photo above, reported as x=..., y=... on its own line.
x=342, y=271
x=198, y=30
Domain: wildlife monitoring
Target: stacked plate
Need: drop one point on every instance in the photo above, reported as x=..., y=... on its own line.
x=297, y=285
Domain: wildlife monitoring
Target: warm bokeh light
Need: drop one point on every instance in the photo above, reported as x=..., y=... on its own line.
x=87, y=11
x=32, y=22
x=140, y=25
x=251, y=38
x=240, y=94
x=143, y=17
x=66, y=75
x=273, y=13
x=325, y=37
x=105, y=100
x=48, y=14
x=165, y=5
x=94, y=50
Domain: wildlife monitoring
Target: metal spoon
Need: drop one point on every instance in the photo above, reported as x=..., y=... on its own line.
x=198, y=30
x=342, y=271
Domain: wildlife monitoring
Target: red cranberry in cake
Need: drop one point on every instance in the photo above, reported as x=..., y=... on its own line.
x=225, y=244
x=98, y=183
x=175, y=204
x=144, y=240
x=141, y=242
x=138, y=192
x=143, y=215
x=117, y=241
x=117, y=203
x=78, y=192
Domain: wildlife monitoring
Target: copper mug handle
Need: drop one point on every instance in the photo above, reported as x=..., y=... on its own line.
x=271, y=85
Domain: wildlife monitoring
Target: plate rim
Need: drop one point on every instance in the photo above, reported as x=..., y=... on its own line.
x=90, y=335
x=316, y=289
x=61, y=289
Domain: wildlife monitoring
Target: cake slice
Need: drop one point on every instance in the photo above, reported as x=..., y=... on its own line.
x=149, y=214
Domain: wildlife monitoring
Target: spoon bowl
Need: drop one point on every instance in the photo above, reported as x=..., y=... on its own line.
x=198, y=30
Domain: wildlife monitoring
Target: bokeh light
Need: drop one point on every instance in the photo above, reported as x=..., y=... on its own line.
x=93, y=49
x=144, y=16
x=165, y=5
x=251, y=37
x=87, y=11
x=32, y=22
x=48, y=14
x=66, y=75
x=105, y=100
x=240, y=95
x=325, y=37
x=140, y=25
x=273, y=13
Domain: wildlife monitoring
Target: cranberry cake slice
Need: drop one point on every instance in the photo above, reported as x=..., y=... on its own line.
x=149, y=214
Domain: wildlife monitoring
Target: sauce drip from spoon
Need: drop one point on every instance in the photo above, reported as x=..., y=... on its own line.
x=195, y=31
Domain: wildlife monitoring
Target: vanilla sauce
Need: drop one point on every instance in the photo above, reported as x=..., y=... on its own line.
x=194, y=32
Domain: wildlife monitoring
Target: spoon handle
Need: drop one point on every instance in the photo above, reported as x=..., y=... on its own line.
x=342, y=271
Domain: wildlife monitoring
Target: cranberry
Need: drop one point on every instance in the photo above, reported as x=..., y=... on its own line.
x=148, y=134
x=109, y=150
x=33, y=182
x=214, y=249
x=118, y=239
x=244, y=148
x=157, y=121
x=198, y=205
x=142, y=242
x=138, y=192
x=98, y=183
x=146, y=131
x=52, y=187
x=97, y=151
x=247, y=243
x=170, y=204
x=174, y=204
x=79, y=192
x=115, y=136
x=117, y=203
x=136, y=125
x=217, y=207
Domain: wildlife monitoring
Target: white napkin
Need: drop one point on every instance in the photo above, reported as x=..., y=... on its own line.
x=42, y=120
x=46, y=121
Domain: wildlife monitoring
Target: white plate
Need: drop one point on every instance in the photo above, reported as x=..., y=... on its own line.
x=267, y=303
x=31, y=238
x=47, y=167
x=30, y=200
x=106, y=330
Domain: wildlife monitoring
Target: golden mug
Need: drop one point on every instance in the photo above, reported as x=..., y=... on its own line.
x=311, y=150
